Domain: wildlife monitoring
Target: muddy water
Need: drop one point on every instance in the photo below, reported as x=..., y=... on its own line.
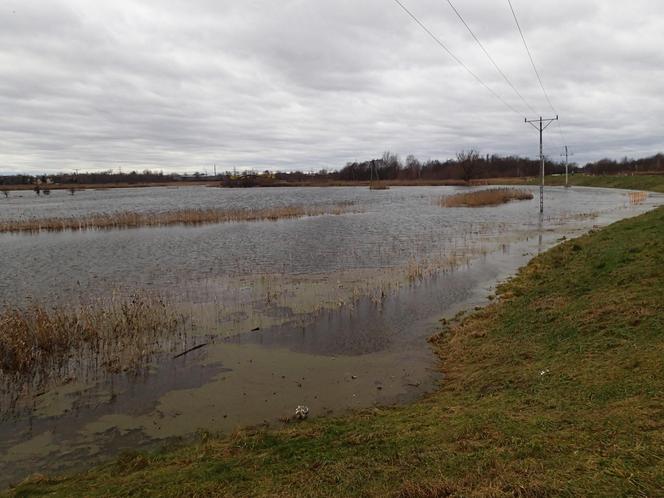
x=341, y=323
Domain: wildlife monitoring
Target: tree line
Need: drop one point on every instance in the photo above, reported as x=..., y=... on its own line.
x=466, y=166
x=654, y=164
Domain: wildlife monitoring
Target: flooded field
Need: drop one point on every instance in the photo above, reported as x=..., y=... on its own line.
x=329, y=311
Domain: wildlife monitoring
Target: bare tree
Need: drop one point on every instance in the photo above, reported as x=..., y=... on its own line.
x=413, y=167
x=391, y=165
x=468, y=160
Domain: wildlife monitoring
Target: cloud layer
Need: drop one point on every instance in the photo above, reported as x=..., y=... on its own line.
x=308, y=84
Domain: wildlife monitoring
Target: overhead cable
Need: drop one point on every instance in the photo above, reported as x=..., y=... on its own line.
x=455, y=58
x=495, y=64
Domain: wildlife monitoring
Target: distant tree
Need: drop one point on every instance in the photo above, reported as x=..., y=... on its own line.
x=468, y=161
x=413, y=167
x=389, y=166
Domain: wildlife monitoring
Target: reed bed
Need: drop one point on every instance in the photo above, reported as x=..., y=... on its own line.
x=638, y=197
x=130, y=219
x=379, y=186
x=38, y=342
x=489, y=197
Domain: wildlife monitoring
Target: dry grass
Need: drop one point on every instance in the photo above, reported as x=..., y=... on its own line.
x=130, y=219
x=379, y=186
x=36, y=341
x=638, y=197
x=490, y=197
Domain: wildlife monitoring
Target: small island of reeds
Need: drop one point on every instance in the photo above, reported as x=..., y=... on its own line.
x=129, y=219
x=489, y=197
x=379, y=186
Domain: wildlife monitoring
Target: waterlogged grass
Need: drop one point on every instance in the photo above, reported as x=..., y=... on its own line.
x=40, y=343
x=489, y=197
x=178, y=217
x=553, y=390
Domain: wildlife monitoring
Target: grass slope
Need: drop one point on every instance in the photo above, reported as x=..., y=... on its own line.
x=556, y=389
x=654, y=183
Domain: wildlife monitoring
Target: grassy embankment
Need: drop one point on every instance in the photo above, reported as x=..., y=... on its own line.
x=654, y=183
x=553, y=390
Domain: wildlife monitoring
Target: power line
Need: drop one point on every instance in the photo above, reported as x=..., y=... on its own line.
x=486, y=52
x=537, y=73
x=530, y=56
x=456, y=59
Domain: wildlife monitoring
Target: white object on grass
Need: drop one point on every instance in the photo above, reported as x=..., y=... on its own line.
x=302, y=412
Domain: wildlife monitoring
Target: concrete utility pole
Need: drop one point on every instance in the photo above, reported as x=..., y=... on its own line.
x=566, y=156
x=541, y=129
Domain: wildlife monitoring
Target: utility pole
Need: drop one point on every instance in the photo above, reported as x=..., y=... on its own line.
x=541, y=129
x=566, y=156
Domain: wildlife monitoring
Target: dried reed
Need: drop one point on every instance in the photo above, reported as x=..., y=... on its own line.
x=637, y=197
x=36, y=340
x=379, y=186
x=490, y=197
x=129, y=219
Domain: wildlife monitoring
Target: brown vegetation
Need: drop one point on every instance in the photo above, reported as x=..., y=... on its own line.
x=637, y=197
x=490, y=197
x=38, y=340
x=379, y=186
x=130, y=219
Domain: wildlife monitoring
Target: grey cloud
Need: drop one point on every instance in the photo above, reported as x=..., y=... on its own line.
x=305, y=84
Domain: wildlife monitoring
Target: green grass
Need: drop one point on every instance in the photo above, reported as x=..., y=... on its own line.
x=654, y=183
x=556, y=389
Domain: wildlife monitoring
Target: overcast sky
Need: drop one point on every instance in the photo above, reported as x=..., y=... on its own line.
x=180, y=85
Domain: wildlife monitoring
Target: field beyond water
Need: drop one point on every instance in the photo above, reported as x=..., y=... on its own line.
x=654, y=183
x=555, y=389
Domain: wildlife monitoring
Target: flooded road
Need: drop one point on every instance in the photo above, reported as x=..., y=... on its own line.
x=332, y=312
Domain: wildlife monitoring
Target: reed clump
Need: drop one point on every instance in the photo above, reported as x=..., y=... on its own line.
x=379, y=186
x=130, y=219
x=36, y=341
x=489, y=197
x=637, y=197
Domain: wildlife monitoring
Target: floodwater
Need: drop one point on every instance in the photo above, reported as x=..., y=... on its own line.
x=330, y=311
